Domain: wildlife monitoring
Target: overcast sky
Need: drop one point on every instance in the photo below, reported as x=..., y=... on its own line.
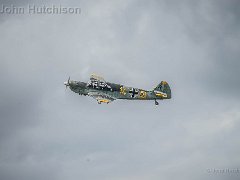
x=47, y=132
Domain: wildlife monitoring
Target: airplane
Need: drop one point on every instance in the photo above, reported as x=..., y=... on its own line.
x=105, y=92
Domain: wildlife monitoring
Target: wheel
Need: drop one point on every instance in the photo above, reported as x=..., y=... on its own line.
x=99, y=102
x=156, y=103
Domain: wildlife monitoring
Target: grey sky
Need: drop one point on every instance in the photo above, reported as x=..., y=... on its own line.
x=49, y=133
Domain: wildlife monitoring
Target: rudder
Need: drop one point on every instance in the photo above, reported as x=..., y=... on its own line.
x=164, y=88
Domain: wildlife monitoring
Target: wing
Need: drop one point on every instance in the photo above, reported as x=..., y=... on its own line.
x=101, y=97
x=96, y=77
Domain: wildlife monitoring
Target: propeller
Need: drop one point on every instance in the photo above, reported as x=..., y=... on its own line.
x=67, y=83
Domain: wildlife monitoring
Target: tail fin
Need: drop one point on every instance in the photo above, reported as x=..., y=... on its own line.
x=164, y=88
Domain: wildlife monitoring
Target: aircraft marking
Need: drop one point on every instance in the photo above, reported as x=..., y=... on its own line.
x=143, y=94
x=160, y=94
x=133, y=91
x=122, y=90
x=98, y=84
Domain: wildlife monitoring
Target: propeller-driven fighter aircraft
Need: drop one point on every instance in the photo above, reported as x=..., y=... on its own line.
x=105, y=92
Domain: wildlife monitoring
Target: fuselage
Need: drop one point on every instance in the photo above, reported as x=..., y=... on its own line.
x=116, y=91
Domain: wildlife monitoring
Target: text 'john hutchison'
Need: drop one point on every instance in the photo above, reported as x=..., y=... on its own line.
x=33, y=9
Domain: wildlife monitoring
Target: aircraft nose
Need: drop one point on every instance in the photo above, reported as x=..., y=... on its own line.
x=67, y=83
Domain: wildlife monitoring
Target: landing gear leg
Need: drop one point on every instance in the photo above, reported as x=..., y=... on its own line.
x=156, y=103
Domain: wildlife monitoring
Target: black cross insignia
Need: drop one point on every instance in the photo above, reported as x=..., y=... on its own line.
x=133, y=92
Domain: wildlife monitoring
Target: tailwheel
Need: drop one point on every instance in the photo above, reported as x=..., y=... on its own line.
x=156, y=103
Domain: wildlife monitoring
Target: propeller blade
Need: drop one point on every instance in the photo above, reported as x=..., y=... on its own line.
x=67, y=83
x=68, y=79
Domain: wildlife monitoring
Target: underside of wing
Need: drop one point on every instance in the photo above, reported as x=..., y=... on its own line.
x=101, y=97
